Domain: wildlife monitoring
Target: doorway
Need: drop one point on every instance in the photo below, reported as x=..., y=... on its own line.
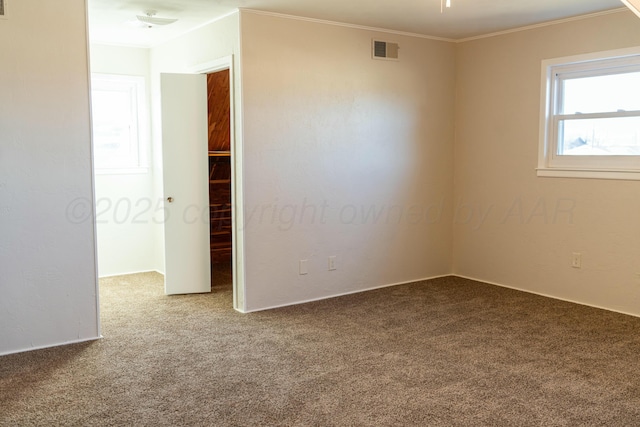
x=139, y=206
x=219, y=153
x=229, y=242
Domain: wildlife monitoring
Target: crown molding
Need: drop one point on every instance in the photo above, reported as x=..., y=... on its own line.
x=543, y=24
x=347, y=25
x=444, y=39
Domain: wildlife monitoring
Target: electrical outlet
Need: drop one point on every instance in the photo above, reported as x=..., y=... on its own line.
x=576, y=260
x=303, y=267
x=332, y=263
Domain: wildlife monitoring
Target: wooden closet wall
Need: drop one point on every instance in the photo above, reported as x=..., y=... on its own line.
x=219, y=166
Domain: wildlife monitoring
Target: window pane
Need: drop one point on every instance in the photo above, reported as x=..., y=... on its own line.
x=602, y=94
x=115, y=127
x=618, y=136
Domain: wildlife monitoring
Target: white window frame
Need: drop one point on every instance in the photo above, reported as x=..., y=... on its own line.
x=554, y=71
x=141, y=163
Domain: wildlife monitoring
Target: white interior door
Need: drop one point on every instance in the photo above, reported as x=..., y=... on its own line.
x=185, y=183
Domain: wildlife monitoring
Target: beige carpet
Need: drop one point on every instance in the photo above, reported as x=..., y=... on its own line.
x=443, y=352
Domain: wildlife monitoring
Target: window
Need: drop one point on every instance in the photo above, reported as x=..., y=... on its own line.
x=117, y=113
x=590, y=116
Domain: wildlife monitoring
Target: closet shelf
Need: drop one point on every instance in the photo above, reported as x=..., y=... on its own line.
x=220, y=246
x=219, y=181
x=219, y=153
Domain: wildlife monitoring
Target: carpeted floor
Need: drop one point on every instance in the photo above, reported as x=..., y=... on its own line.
x=444, y=352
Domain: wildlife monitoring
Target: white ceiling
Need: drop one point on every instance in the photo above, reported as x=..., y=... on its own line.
x=466, y=18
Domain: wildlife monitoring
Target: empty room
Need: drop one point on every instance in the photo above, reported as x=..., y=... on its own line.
x=302, y=213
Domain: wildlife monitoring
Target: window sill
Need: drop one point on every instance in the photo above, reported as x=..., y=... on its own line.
x=626, y=175
x=122, y=171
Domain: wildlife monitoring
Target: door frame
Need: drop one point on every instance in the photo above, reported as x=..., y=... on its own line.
x=237, y=206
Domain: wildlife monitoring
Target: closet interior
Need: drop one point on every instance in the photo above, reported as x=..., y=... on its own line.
x=219, y=167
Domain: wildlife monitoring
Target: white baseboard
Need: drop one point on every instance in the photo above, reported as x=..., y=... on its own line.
x=488, y=282
x=49, y=346
x=546, y=295
x=343, y=294
x=129, y=273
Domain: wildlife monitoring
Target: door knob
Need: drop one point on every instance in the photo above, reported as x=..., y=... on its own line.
x=170, y=199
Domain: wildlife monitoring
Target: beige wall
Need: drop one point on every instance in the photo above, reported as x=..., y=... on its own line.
x=518, y=230
x=48, y=290
x=331, y=135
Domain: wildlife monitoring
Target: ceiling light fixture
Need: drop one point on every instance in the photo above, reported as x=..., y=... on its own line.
x=634, y=5
x=447, y=3
x=150, y=20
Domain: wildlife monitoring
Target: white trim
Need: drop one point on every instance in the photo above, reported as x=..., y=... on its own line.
x=347, y=25
x=635, y=8
x=588, y=174
x=408, y=282
x=436, y=38
x=545, y=295
x=139, y=85
x=376, y=29
x=553, y=72
x=42, y=347
x=239, y=268
x=92, y=175
x=592, y=56
x=608, y=115
x=107, y=276
x=542, y=25
x=219, y=64
x=237, y=252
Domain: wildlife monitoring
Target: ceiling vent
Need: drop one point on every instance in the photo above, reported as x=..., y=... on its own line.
x=385, y=50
